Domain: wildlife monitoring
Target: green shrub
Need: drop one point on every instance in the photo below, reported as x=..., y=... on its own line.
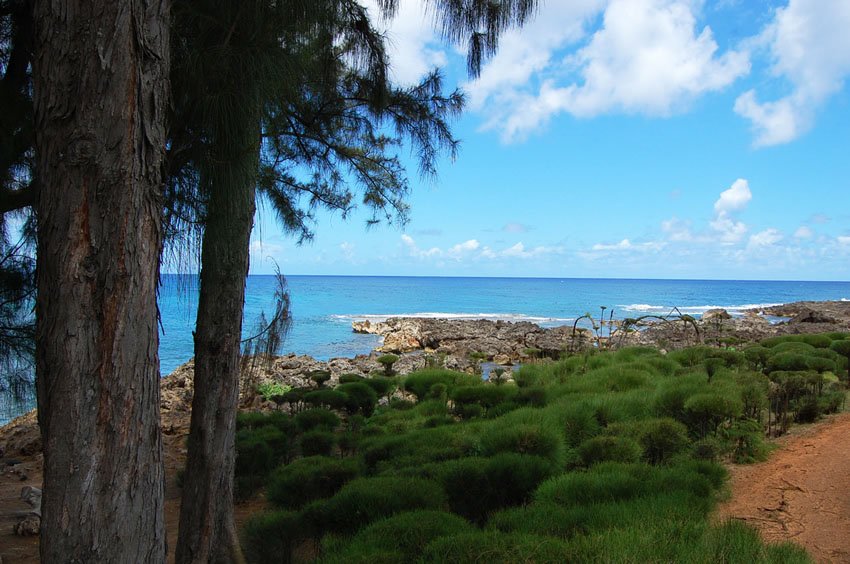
x=317, y=418
x=271, y=537
x=734, y=541
x=787, y=361
x=746, y=438
x=404, y=534
x=419, y=383
x=255, y=420
x=485, y=395
x=309, y=479
x=324, y=397
x=579, y=422
x=270, y=389
x=255, y=455
x=382, y=385
x=469, y=411
x=532, y=396
x=361, y=397
x=320, y=377
x=387, y=361
x=536, y=440
x=317, y=443
x=708, y=410
x=757, y=356
x=615, y=449
x=707, y=449
x=495, y=547
x=348, y=378
x=414, y=448
x=478, y=486
x=662, y=439
x=365, y=500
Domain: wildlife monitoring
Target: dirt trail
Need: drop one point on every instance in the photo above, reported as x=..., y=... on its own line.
x=802, y=492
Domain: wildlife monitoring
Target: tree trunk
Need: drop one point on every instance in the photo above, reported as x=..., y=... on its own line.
x=207, y=530
x=100, y=91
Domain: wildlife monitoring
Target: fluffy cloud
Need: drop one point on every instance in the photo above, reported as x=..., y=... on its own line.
x=844, y=240
x=414, y=46
x=809, y=47
x=766, y=238
x=461, y=249
x=648, y=57
x=803, y=232
x=626, y=245
x=414, y=250
x=735, y=199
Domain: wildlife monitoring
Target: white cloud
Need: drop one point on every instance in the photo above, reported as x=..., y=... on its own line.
x=347, y=250
x=529, y=51
x=414, y=250
x=677, y=230
x=648, y=57
x=803, y=232
x=518, y=251
x=735, y=198
x=810, y=48
x=461, y=249
x=626, y=245
x=414, y=46
x=727, y=228
x=766, y=238
x=844, y=240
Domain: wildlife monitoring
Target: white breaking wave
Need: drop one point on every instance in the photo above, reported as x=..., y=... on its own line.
x=348, y=318
x=694, y=310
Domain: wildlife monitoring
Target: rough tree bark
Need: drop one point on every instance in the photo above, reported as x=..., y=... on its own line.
x=207, y=531
x=100, y=92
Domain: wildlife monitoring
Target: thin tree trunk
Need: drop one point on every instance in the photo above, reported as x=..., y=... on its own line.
x=100, y=91
x=207, y=530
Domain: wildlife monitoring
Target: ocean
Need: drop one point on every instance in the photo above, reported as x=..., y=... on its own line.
x=323, y=307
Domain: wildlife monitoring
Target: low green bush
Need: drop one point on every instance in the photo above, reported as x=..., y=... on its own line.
x=348, y=378
x=535, y=440
x=271, y=537
x=317, y=443
x=404, y=535
x=317, y=418
x=325, y=397
x=606, y=448
x=365, y=500
x=662, y=439
x=361, y=397
x=787, y=361
x=258, y=451
x=485, y=395
x=488, y=546
x=419, y=383
x=308, y=479
x=382, y=385
x=477, y=487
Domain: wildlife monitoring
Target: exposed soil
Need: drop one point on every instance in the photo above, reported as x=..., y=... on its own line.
x=802, y=492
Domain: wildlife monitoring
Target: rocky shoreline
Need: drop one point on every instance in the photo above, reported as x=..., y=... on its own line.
x=466, y=345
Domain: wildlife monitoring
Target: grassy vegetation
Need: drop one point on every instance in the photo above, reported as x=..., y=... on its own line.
x=601, y=456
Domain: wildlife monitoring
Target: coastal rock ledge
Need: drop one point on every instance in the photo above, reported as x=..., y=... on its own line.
x=512, y=341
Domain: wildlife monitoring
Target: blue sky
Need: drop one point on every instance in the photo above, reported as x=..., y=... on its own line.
x=623, y=138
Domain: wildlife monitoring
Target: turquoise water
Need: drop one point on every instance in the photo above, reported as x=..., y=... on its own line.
x=323, y=307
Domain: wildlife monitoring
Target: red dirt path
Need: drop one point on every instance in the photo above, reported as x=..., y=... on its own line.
x=802, y=492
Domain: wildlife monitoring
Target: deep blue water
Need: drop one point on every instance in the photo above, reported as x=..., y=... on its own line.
x=323, y=307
